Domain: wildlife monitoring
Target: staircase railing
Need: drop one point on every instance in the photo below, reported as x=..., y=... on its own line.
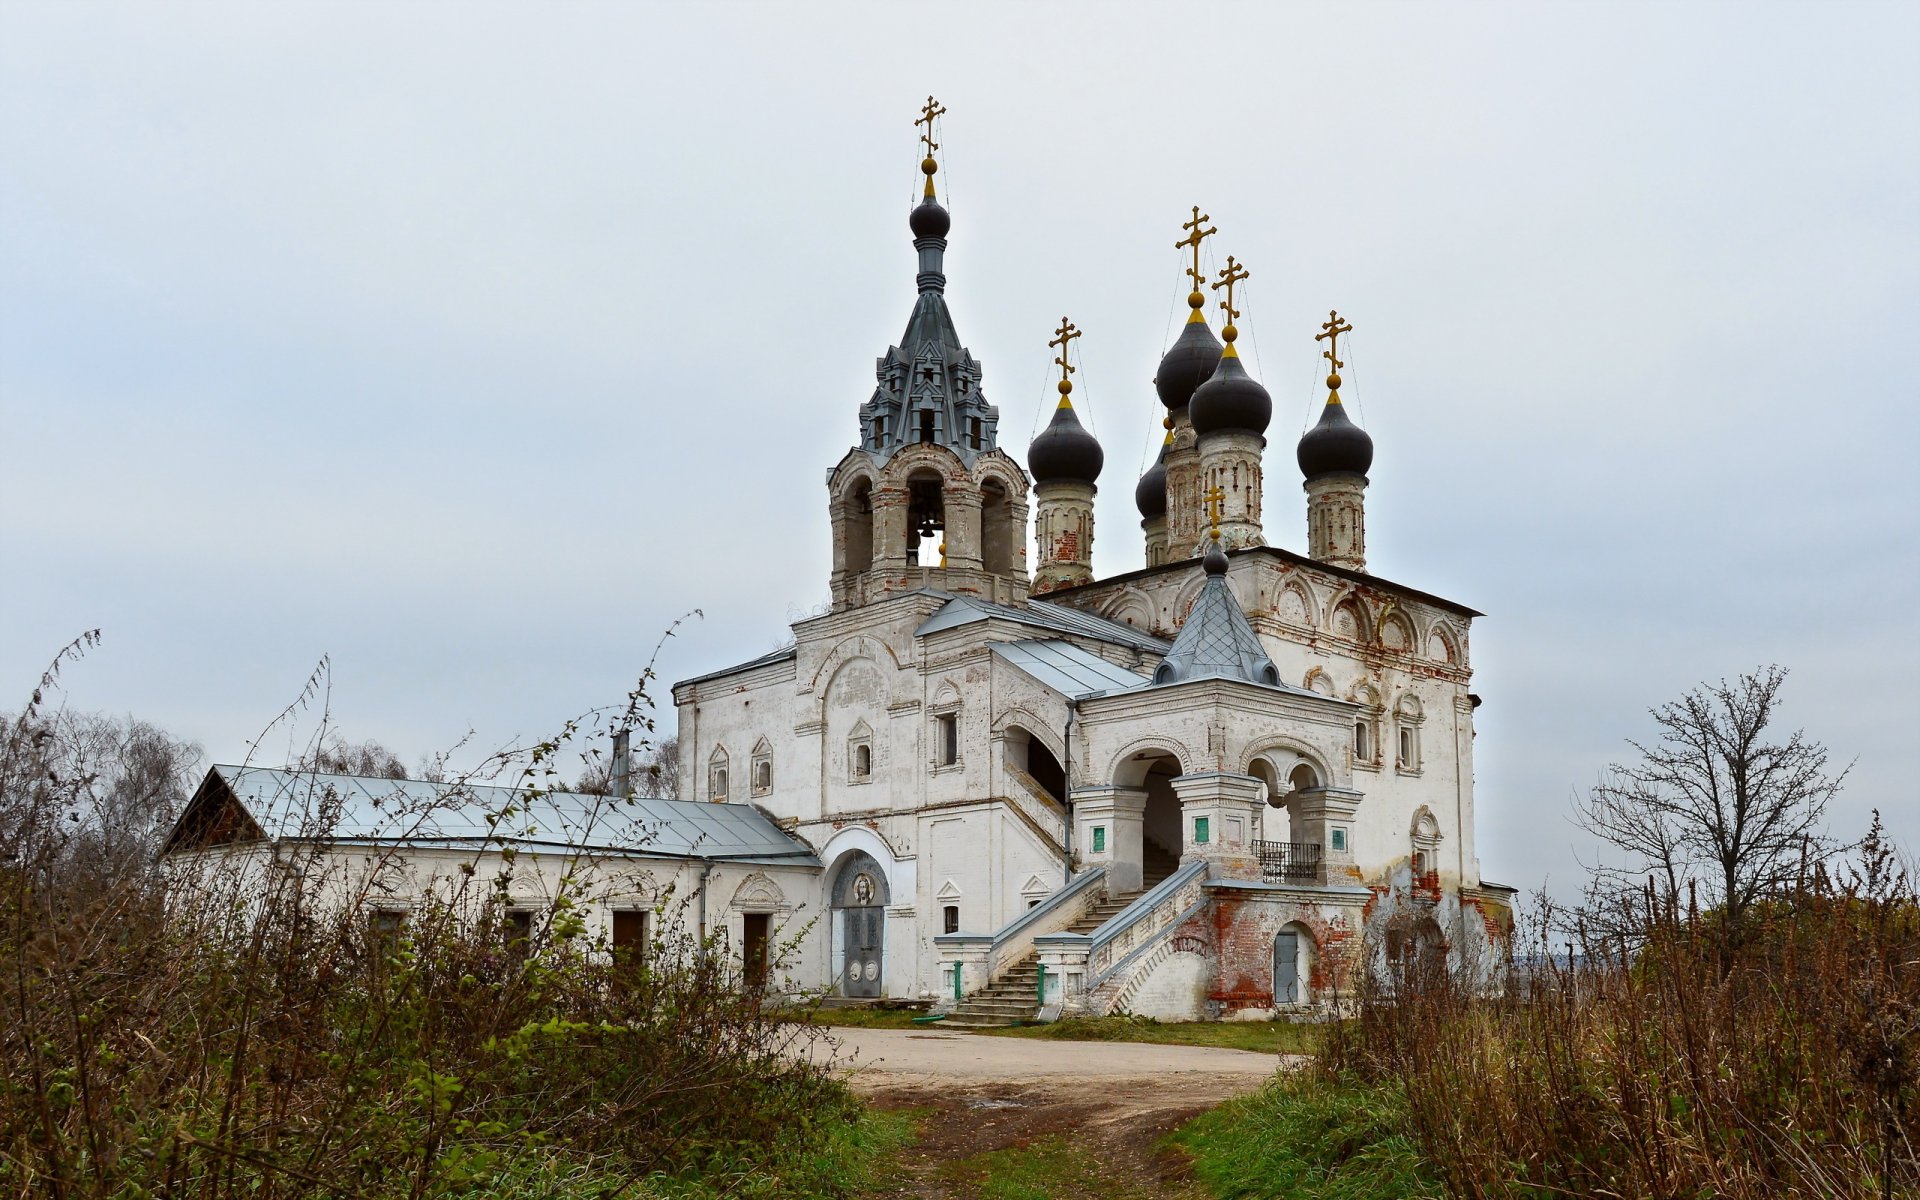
x=1140, y=921
x=1046, y=815
x=975, y=960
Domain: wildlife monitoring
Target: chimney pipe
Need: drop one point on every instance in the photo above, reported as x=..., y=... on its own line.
x=619, y=781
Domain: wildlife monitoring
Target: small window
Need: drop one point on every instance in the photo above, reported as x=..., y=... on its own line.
x=1362, y=742
x=1033, y=904
x=629, y=936
x=516, y=928
x=973, y=433
x=862, y=761
x=1339, y=838
x=1099, y=839
x=386, y=923
x=1406, y=747
x=950, y=919
x=718, y=790
x=1200, y=831
x=762, y=777
x=926, y=425
x=947, y=729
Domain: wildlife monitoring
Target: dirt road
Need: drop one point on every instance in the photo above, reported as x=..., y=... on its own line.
x=1114, y=1100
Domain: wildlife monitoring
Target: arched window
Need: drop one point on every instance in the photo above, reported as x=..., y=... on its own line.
x=717, y=774
x=860, y=753
x=1362, y=742
x=1407, y=718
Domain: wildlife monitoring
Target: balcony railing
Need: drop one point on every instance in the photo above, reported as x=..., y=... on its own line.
x=1289, y=862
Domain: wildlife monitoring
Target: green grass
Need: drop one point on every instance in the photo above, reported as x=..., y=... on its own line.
x=1308, y=1138
x=1266, y=1037
x=1047, y=1168
x=843, y=1159
x=862, y=1018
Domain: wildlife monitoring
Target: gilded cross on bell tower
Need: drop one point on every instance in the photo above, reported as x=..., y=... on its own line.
x=1214, y=498
x=1061, y=336
x=931, y=111
x=1195, y=235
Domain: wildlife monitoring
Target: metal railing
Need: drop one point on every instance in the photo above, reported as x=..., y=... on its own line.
x=1289, y=862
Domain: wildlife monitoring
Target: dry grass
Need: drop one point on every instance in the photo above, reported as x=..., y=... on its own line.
x=1682, y=1062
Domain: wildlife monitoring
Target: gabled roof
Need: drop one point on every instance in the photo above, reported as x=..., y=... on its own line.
x=255, y=803
x=1068, y=669
x=1041, y=614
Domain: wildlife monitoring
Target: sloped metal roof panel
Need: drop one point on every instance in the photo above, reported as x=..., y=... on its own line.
x=1067, y=669
x=349, y=808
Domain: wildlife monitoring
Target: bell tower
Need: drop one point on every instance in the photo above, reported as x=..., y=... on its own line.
x=927, y=499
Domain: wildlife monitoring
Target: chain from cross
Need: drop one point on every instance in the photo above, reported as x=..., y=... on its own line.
x=1214, y=498
x=1231, y=274
x=1066, y=333
x=1334, y=328
x=928, y=112
x=1195, y=235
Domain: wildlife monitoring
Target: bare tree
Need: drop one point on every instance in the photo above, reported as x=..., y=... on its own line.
x=115, y=784
x=658, y=771
x=368, y=758
x=1717, y=800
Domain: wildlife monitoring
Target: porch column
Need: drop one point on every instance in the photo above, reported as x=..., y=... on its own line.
x=1323, y=816
x=1220, y=817
x=1109, y=825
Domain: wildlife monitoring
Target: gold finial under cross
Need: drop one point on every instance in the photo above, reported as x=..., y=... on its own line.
x=1334, y=327
x=1214, y=498
x=1066, y=333
x=1231, y=274
x=1195, y=235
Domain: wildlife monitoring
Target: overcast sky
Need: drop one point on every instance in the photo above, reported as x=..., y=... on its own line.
x=469, y=345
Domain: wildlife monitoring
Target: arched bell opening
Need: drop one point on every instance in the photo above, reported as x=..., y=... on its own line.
x=1276, y=823
x=858, y=518
x=996, y=528
x=926, y=518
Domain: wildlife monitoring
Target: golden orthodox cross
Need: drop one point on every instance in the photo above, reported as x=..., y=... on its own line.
x=1231, y=274
x=932, y=109
x=1066, y=333
x=1195, y=235
x=1214, y=497
x=1334, y=328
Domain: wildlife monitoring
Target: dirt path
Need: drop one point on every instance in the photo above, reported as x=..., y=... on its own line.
x=1112, y=1100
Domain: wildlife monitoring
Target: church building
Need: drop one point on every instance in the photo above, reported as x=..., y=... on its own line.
x=1223, y=784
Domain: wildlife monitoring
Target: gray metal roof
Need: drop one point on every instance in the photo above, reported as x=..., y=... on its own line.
x=765, y=660
x=1058, y=618
x=1068, y=669
x=1217, y=642
x=350, y=808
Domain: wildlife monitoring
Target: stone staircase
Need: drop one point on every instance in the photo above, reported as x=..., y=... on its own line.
x=1013, y=998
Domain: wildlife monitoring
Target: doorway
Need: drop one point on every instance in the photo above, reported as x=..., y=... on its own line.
x=860, y=899
x=755, y=928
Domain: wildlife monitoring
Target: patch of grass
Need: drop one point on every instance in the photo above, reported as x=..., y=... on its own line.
x=1308, y=1137
x=862, y=1018
x=1047, y=1168
x=1265, y=1037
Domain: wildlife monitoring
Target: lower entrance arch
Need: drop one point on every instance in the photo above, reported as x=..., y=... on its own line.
x=859, y=900
x=1292, y=966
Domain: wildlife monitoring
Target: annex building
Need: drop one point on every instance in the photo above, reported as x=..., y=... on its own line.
x=1219, y=785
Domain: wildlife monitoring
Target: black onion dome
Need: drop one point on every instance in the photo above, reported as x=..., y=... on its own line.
x=1335, y=444
x=1231, y=399
x=1186, y=364
x=929, y=220
x=1065, y=451
x=1150, y=494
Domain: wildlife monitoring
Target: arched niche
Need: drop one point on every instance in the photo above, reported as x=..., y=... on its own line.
x=997, y=539
x=856, y=524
